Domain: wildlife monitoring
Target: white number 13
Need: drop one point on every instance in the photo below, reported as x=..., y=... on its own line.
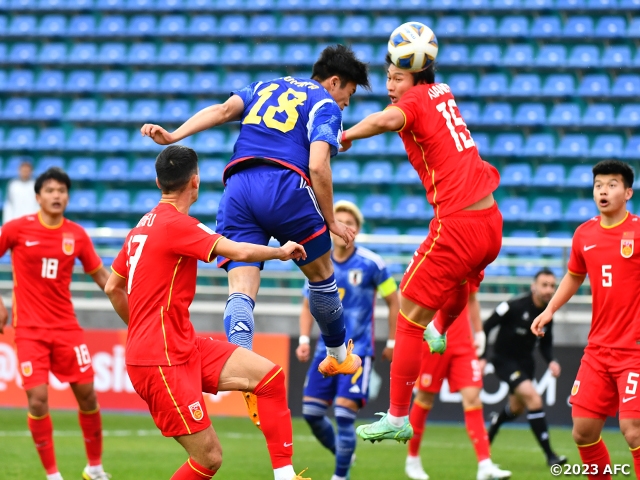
x=450, y=115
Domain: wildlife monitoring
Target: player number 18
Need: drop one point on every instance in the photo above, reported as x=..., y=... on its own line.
x=607, y=277
x=287, y=104
x=49, y=268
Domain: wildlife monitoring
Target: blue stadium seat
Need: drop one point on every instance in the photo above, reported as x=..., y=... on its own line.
x=629, y=115
x=19, y=81
x=633, y=148
x=530, y=114
x=262, y=25
x=377, y=206
x=80, y=81
x=419, y=232
x=521, y=250
x=50, y=139
x=626, y=85
x=114, y=81
x=395, y=146
x=210, y=141
x=17, y=109
x=514, y=209
x=484, y=54
x=385, y=24
x=356, y=26
x=633, y=29
x=113, y=169
x=607, y=146
x=207, y=204
x=47, y=109
x=111, y=4
x=53, y=25
x=295, y=25
x=112, y=26
x=497, y=270
x=114, y=201
x=497, y=114
x=46, y=163
x=578, y=27
x=345, y=172
x=482, y=26
x=82, y=201
x=462, y=83
x=584, y=56
x=349, y=197
x=602, y=4
x=529, y=266
x=211, y=170
x=580, y=176
x=361, y=110
x=112, y=242
x=138, y=143
x=177, y=5
x=482, y=142
x=515, y=175
x=83, y=53
x=455, y=54
x=559, y=85
x=514, y=26
x=202, y=25
x=573, y=145
x=563, y=114
x=470, y=112
x=594, y=85
x=112, y=53
x=144, y=201
x=81, y=26
x=323, y=25
x=174, y=82
x=232, y=25
x=20, y=138
x=551, y=56
x=176, y=111
x=507, y=144
x=629, y=4
x=539, y=145
x=377, y=172
x=555, y=251
x=537, y=4
x=53, y=53
x=113, y=139
x=143, y=170
x=234, y=54
x=83, y=169
x=518, y=55
x=412, y=207
x=546, y=27
x=23, y=53
x=22, y=26
x=143, y=82
x=82, y=109
x=616, y=56
x=525, y=84
x=549, y=176
x=406, y=175
x=141, y=25
x=204, y=82
x=598, y=114
x=493, y=84
x=172, y=25
x=172, y=54
x=545, y=209
x=449, y=26
x=610, y=27
x=82, y=139
x=369, y=146
x=203, y=54
x=580, y=211
x=385, y=247
x=142, y=53
x=266, y=53
x=236, y=80
x=474, y=4
x=114, y=111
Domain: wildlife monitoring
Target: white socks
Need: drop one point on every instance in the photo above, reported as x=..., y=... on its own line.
x=395, y=421
x=339, y=353
x=284, y=473
x=95, y=470
x=54, y=476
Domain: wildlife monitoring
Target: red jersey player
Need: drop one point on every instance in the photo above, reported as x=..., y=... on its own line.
x=44, y=247
x=464, y=237
x=151, y=287
x=607, y=380
x=461, y=367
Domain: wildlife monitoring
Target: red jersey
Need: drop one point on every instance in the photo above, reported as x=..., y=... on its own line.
x=159, y=260
x=43, y=258
x=442, y=151
x=609, y=257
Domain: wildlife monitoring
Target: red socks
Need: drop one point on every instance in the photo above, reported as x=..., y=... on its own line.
x=275, y=417
x=91, y=425
x=417, y=418
x=405, y=367
x=635, y=453
x=596, y=453
x=42, y=432
x=451, y=309
x=192, y=471
x=474, y=422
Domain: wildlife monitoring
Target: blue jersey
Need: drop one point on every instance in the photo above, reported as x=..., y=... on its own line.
x=359, y=279
x=281, y=119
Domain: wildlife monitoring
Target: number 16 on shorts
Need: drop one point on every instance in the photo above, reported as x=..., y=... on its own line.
x=575, y=469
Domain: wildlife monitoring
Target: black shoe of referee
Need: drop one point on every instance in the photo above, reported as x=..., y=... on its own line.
x=556, y=460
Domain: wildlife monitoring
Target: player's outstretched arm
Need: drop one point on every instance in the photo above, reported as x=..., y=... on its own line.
x=389, y=120
x=206, y=118
x=303, y=352
x=249, y=253
x=568, y=288
x=116, y=290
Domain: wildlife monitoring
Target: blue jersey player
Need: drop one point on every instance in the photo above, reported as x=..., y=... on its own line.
x=278, y=184
x=360, y=274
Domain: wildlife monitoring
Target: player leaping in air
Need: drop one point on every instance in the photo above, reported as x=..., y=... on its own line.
x=278, y=184
x=607, y=381
x=464, y=237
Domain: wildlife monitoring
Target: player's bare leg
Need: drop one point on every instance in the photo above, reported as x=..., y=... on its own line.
x=205, y=455
x=249, y=372
x=586, y=433
x=326, y=308
x=630, y=428
x=41, y=427
x=91, y=424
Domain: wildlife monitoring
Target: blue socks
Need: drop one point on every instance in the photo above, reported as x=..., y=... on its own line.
x=316, y=416
x=346, y=443
x=326, y=308
x=238, y=320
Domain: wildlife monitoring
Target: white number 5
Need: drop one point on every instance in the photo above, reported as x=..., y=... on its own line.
x=607, y=277
x=133, y=260
x=632, y=383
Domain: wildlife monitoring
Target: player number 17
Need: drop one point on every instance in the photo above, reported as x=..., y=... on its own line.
x=463, y=139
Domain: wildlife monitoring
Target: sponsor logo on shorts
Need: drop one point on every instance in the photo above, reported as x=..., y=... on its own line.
x=425, y=379
x=85, y=368
x=355, y=389
x=196, y=411
x=575, y=388
x=628, y=399
x=27, y=369
x=515, y=375
x=68, y=243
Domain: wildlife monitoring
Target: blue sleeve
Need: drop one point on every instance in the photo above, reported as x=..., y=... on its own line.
x=380, y=274
x=247, y=93
x=326, y=126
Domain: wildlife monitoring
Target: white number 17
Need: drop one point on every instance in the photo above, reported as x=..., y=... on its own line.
x=133, y=260
x=450, y=115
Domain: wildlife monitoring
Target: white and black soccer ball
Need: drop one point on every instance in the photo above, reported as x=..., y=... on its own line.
x=413, y=46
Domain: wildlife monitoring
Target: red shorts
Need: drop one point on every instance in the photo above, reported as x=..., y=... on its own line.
x=174, y=394
x=44, y=350
x=458, y=248
x=607, y=383
x=459, y=366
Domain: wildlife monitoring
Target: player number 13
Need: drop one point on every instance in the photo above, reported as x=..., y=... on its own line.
x=287, y=104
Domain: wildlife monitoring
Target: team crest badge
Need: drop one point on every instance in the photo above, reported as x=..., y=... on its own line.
x=68, y=243
x=355, y=277
x=575, y=388
x=425, y=379
x=196, y=411
x=27, y=369
x=626, y=244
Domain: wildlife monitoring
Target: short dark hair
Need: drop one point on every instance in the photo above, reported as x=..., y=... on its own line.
x=175, y=166
x=53, y=173
x=341, y=61
x=614, y=167
x=428, y=75
x=544, y=271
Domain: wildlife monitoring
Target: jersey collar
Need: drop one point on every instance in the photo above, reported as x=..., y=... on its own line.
x=49, y=227
x=347, y=259
x=615, y=224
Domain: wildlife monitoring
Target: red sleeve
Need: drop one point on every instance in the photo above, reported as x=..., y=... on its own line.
x=195, y=239
x=576, y=265
x=409, y=105
x=91, y=262
x=119, y=265
x=8, y=236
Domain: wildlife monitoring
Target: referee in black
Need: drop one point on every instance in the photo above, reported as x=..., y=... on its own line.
x=513, y=358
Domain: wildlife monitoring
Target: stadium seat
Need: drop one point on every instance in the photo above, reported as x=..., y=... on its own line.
x=514, y=209
x=174, y=82
x=497, y=270
x=172, y=54
x=349, y=197
x=626, y=85
x=81, y=26
x=210, y=141
x=382, y=248
x=143, y=170
x=176, y=111
x=22, y=26
x=82, y=110
x=580, y=176
x=266, y=53
x=537, y=4
x=297, y=54
x=633, y=29
x=377, y=172
x=385, y=24
x=204, y=82
x=607, y=146
x=138, y=143
x=234, y=54
x=580, y=210
x=406, y=175
x=345, y=172
x=111, y=53
x=611, y=27
x=539, y=145
x=50, y=139
x=142, y=54
x=483, y=55
x=520, y=250
x=598, y=114
x=203, y=54
x=53, y=25
x=546, y=27
x=549, y=176
x=356, y=26
x=602, y=4
x=202, y=25
x=236, y=80
x=145, y=111
x=573, y=145
x=17, y=109
x=113, y=81
x=114, y=111
x=497, y=114
x=144, y=201
x=493, y=84
x=556, y=251
x=81, y=81
x=578, y=27
x=143, y=82
x=455, y=54
x=53, y=53
x=545, y=210
x=514, y=26
x=518, y=55
x=450, y=26
x=361, y=110
x=172, y=25
x=594, y=85
x=113, y=139
x=564, y=114
x=83, y=169
x=114, y=201
x=616, y=56
x=413, y=207
x=114, y=169
x=525, y=85
x=82, y=139
x=470, y=112
x=507, y=144
x=482, y=26
x=559, y=85
x=376, y=206
x=530, y=114
x=111, y=4
x=46, y=163
x=369, y=146
x=293, y=25
x=515, y=175
x=529, y=266
x=462, y=84
x=211, y=170
x=23, y=53
x=323, y=25
x=19, y=81
x=82, y=201
x=207, y=204
x=632, y=149
x=629, y=115
x=584, y=56
x=551, y=56
x=482, y=142
x=112, y=26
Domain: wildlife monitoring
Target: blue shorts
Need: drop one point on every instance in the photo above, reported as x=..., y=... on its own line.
x=354, y=387
x=270, y=201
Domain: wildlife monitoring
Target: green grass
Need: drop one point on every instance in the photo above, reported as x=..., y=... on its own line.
x=134, y=449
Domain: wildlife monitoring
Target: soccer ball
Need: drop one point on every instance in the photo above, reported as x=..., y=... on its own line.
x=413, y=46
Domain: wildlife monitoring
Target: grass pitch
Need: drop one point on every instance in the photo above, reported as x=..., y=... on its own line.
x=134, y=449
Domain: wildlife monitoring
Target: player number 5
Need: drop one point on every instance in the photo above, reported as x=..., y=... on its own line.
x=632, y=383
x=607, y=277
x=453, y=121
